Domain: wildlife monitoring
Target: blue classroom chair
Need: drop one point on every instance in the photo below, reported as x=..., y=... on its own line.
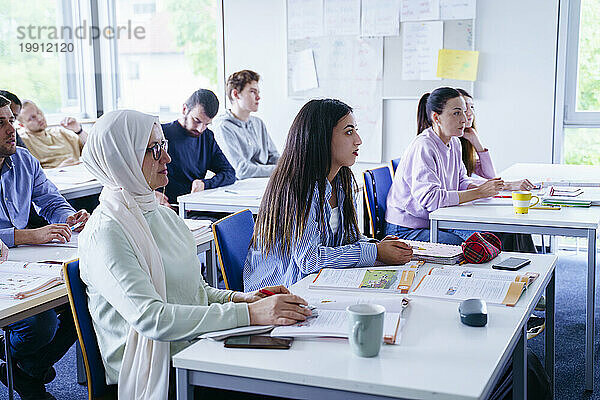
x=233, y=235
x=395, y=163
x=377, y=185
x=94, y=368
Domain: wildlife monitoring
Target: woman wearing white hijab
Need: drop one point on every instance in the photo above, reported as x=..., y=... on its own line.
x=139, y=263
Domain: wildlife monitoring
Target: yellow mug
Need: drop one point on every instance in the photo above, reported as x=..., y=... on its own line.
x=522, y=201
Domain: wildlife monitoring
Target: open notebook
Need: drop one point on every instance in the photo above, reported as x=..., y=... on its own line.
x=332, y=319
x=21, y=279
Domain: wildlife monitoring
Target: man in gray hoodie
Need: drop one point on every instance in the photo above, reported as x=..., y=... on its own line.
x=244, y=138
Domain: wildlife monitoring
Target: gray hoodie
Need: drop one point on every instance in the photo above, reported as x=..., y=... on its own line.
x=247, y=145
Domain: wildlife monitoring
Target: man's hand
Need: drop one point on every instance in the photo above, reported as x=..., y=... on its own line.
x=162, y=199
x=71, y=124
x=77, y=221
x=197, y=185
x=45, y=234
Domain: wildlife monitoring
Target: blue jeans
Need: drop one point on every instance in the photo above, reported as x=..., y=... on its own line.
x=37, y=342
x=448, y=236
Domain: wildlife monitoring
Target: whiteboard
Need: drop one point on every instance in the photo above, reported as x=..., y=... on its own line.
x=458, y=35
x=349, y=68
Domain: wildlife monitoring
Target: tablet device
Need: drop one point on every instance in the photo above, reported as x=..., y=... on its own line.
x=512, y=263
x=258, y=342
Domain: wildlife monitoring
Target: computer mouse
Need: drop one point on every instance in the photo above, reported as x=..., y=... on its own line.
x=473, y=312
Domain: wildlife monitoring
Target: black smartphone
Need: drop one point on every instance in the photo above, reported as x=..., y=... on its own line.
x=258, y=342
x=512, y=263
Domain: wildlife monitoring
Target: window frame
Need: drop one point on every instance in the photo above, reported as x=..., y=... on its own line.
x=572, y=117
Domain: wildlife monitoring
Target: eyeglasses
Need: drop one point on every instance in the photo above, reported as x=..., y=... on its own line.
x=158, y=148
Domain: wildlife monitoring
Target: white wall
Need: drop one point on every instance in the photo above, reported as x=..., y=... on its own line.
x=514, y=94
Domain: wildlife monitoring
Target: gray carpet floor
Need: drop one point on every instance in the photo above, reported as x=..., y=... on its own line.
x=570, y=331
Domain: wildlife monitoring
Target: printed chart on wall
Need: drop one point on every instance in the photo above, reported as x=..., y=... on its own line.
x=340, y=65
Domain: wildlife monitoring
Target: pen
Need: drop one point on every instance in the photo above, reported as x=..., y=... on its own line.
x=231, y=191
x=502, y=196
x=266, y=292
x=417, y=248
x=77, y=225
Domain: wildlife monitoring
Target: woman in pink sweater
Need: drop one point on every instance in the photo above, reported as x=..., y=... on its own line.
x=431, y=173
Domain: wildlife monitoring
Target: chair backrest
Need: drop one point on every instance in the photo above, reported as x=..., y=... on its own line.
x=94, y=368
x=395, y=163
x=233, y=235
x=377, y=185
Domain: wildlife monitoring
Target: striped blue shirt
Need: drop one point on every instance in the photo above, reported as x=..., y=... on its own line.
x=318, y=248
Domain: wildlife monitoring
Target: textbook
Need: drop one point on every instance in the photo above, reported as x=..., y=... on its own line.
x=391, y=279
x=457, y=283
x=438, y=253
x=20, y=279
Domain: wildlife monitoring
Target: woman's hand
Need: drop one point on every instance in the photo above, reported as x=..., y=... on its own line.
x=471, y=135
x=392, y=251
x=251, y=297
x=490, y=188
x=280, y=309
x=523, y=184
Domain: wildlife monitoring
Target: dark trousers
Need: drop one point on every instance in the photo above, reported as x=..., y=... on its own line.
x=37, y=342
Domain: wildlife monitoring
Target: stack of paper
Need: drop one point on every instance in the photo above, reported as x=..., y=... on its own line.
x=437, y=253
x=570, y=196
x=198, y=227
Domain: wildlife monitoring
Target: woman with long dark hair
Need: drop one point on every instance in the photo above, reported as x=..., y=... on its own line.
x=477, y=161
x=431, y=173
x=475, y=156
x=307, y=218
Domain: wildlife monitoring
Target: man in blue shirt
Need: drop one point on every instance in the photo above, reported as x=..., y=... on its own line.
x=193, y=149
x=37, y=342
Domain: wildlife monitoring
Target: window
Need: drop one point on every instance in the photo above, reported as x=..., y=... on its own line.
x=177, y=55
x=581, y=133
x=42, y=58
x=583, y=75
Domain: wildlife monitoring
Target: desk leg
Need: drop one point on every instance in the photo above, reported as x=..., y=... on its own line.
x=212, y=256
x=549, y=334
x=185, y=391
x=212, y=275
x=433, y=231
x=9, y=372
x=520, y=367
x=589, y=313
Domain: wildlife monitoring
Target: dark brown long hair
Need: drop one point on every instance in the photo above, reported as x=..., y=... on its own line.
x=304, y=164
x=433, y=102
x=469, y=155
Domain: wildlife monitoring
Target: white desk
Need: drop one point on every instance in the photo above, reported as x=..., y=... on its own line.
x=437, y=358
x=73, y=181
x=242, y=194
x=569, y=221
x=554, y=174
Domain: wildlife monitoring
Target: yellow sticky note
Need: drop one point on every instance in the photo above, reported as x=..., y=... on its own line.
x=457, y=64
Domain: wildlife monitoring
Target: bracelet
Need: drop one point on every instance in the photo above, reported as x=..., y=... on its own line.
x=230, y=297
x=80, y=130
